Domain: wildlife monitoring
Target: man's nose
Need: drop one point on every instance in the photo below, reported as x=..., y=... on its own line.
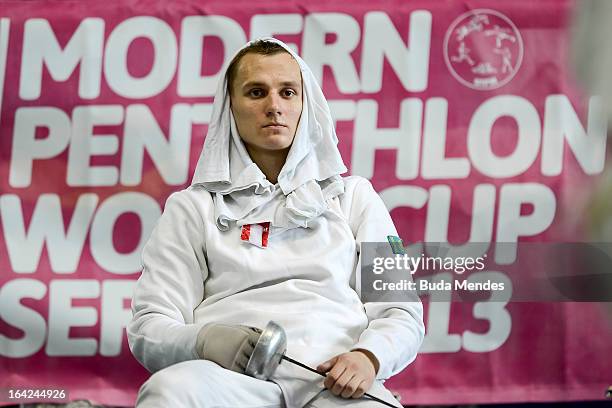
x=273, y=104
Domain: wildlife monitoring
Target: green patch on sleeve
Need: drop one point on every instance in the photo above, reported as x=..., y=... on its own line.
x=397, y=246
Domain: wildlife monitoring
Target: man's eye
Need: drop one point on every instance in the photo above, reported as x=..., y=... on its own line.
x=256, y=92
x=289, y=92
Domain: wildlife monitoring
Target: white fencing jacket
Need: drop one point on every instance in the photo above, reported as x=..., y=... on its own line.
x=304, y=280
x=198, y=270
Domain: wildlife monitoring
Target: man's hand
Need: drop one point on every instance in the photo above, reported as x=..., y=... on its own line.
x=351, y=374
x=230, y=346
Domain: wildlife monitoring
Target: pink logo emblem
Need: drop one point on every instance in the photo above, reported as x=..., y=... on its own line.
x=483, y=49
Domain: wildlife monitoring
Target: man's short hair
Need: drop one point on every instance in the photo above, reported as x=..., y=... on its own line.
x=258, y=47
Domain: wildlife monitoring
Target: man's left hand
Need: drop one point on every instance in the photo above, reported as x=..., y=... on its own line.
x=351, y=374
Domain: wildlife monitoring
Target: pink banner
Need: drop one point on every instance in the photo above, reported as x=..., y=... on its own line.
x=463, y=114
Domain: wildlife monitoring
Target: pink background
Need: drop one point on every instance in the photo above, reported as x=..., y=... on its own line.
x=554, y=352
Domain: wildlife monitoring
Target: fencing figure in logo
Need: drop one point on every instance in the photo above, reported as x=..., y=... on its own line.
x=500, y=34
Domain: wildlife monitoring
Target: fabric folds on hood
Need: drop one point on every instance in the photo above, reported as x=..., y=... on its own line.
x=309, y=178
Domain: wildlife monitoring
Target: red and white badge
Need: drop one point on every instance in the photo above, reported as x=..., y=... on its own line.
x=256, y=234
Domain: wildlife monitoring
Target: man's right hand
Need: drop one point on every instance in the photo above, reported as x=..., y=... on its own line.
x=230, y=346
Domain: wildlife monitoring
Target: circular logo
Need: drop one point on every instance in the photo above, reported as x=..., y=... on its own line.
x=483, y=49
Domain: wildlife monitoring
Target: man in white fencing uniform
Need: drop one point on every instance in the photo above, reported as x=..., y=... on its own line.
x=268, y=230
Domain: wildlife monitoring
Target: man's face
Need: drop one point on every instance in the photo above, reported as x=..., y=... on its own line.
x=266, y=100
